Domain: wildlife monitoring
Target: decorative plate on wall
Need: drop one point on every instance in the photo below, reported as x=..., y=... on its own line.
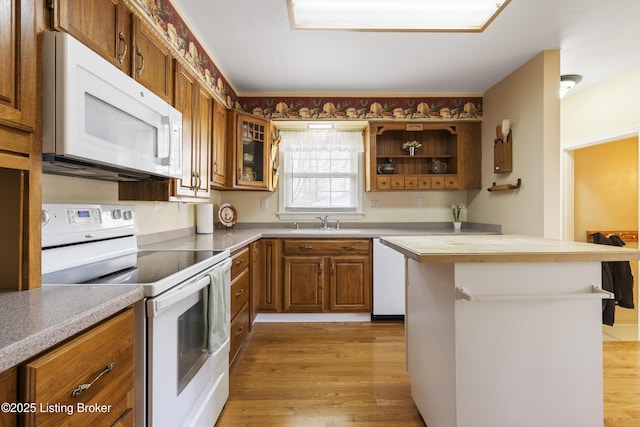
x=227, y=215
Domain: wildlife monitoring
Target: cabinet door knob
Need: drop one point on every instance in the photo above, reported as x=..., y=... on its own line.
x=240, y=292
x=83, y=387
x=240, y=331
x=348, y=248
x=305, y=248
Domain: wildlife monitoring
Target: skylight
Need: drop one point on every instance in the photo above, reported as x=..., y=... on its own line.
x=394, y=15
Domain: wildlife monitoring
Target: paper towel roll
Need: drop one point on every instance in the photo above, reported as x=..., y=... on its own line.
x=204, y=218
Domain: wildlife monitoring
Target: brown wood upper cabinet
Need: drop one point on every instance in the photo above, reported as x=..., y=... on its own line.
x=18, y=71
x=195, y=104
x=252, y=152
x=152, y=61
x=102, y=25
x=20, y=147
x=449, y=158
x=218, y=152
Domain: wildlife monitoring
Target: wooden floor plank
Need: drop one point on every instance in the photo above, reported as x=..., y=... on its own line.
x=353, y=375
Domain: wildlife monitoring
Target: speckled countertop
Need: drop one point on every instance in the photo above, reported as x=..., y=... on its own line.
x=504, y=248
x=243, y=234
x=33, y=321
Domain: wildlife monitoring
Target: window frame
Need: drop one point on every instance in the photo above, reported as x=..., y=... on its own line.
x=304, y=213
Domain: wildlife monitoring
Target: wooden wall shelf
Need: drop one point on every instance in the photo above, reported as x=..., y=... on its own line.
x=505, y=187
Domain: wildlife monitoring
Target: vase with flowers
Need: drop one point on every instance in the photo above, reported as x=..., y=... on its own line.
x=456, y=208
x=411, y=146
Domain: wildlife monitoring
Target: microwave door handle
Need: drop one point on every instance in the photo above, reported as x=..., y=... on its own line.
x=163, y=145
x=157, y=305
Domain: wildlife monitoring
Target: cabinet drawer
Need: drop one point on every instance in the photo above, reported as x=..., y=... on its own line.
x=239, y=292
x=326, y=247
x=397, y=183
x=437, y=183
x=54, y=376
x=451, y=182
x=384, y=182
x=239, y=261
x=239, y=331
x=410, y=182
x=424, y=183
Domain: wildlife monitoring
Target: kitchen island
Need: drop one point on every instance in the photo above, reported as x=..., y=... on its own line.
x=505, y=330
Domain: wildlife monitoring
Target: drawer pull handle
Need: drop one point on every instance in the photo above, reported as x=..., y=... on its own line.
x=305, y=248
x=124, y=43
x=348, y=248
x=83, y=387
x=240, y=331
x=240, y=261
x=240, y=292
x=139, y=70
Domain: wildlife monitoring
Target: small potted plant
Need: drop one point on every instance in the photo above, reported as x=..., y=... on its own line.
x=411, y=146
x=456, y=208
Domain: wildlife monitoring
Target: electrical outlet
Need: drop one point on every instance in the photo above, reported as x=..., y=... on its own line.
x=182, y=206
x=374, y=204
x=264, y=203
x=419, y=202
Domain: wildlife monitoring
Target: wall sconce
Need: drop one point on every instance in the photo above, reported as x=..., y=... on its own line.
x=567, y=82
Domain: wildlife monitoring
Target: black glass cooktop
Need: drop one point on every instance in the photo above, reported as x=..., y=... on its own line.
x=142, y=267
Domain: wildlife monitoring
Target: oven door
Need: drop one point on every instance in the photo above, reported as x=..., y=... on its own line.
x=181, y=366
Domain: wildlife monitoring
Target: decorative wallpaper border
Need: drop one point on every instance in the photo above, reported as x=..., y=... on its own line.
x=165, y=18
x=354, y=108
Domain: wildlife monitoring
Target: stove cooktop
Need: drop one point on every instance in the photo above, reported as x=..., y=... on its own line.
x=142, y=267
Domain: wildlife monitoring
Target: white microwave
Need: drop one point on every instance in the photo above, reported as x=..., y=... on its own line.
x=100, y=123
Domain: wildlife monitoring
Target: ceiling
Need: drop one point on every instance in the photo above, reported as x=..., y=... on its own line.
x=252, y=43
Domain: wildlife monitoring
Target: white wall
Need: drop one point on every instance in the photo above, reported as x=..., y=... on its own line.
x=529, y=98
x=602, y=113
x=153, y=217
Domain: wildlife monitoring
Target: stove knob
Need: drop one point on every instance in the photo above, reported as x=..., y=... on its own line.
x=128, y=215
x=44, y=218
x=116, y=214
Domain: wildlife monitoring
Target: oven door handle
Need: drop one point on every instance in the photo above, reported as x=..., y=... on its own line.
x=163, y=302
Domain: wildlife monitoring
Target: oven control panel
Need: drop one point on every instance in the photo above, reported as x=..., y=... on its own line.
x=70, y=223
x=83, y=216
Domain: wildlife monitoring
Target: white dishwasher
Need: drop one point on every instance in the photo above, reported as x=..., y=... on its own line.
x=388, y=283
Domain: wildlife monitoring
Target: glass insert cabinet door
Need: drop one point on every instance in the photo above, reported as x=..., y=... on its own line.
x=252, y=148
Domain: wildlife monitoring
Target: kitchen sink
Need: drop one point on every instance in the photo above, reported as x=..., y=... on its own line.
x=326, y=231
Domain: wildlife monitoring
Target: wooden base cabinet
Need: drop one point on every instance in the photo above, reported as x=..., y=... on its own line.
x=9, y=394
x=269, y=287
x=240, y=299
x=327, y=275
x=92, y=377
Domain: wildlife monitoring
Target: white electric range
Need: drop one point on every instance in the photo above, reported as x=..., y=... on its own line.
x=183, y=324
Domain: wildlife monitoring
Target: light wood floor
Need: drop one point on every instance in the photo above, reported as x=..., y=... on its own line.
x=353, y=374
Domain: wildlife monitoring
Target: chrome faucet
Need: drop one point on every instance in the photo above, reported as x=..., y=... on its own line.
x=324, y=221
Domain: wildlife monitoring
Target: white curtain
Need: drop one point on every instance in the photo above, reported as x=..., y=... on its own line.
x=321, y=140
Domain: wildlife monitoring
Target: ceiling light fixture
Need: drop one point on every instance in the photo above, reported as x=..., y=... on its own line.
x=396, y=15
x=317, y=126
x=567, y=82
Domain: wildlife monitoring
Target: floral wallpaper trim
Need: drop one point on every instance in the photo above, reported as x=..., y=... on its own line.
x=356, y=108
x=169, y=23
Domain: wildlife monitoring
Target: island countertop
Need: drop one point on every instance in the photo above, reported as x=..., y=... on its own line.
x=503, y=248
